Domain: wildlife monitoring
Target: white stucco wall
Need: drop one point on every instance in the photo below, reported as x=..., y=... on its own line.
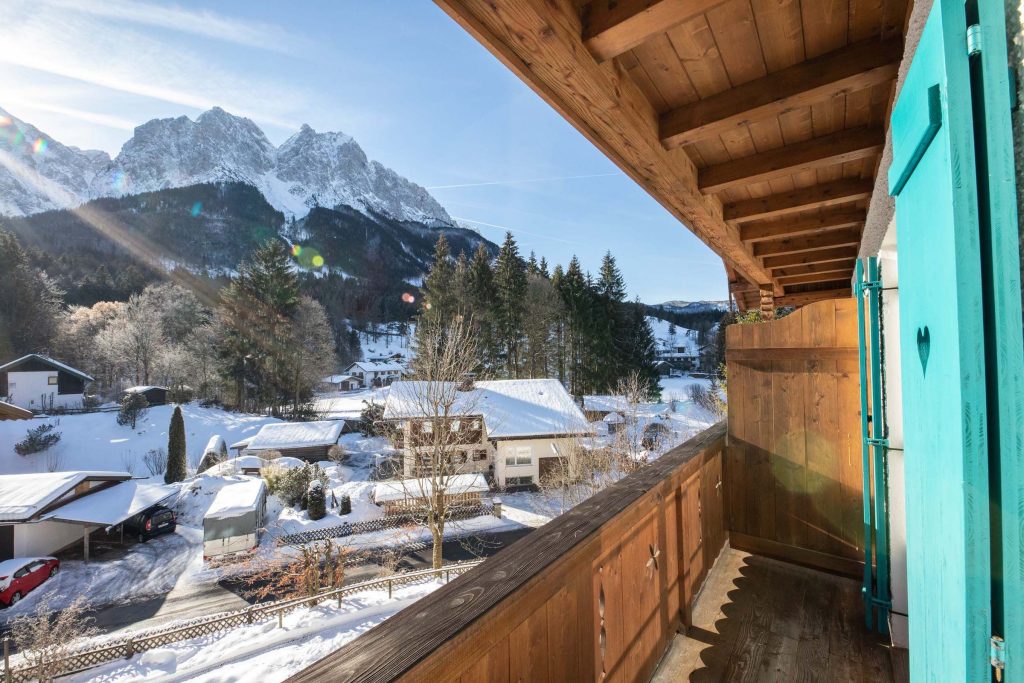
x=539, y=448
x=30, y=389
x=45, y=538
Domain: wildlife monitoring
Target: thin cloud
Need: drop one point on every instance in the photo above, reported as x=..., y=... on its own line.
x=199, y=23
x=107, y=120
x=524, y=180
x=514, y=230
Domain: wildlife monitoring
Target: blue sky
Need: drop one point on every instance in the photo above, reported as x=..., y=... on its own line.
x=417, y=92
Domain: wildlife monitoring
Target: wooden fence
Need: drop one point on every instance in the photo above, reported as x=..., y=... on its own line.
x=595, y=594
x=477, y=508
x=793, y=463
x=126, y=647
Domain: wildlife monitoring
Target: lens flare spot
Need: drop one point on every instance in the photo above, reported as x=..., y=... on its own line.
x=197, y=209
x=427, y=305
x=408, y=298
x=296, y=250
x=318, y=261
x=118, y=180
x=5, y=121
x=18, y=138
x=39, y=146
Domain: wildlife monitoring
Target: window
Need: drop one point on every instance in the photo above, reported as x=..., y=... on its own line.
x=523, y=456
x=52, y=381
x=479, y=455
x=518, y=481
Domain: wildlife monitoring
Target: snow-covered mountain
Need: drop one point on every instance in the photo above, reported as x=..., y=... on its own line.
x=310, y=169
x=694, y=306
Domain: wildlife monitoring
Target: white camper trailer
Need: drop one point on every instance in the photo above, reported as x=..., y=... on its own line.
x=233, y=522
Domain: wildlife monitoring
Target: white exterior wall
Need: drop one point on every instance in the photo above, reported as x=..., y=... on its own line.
x=45, y=538
x=539, y=448
x=28, y=389
x=893, y=398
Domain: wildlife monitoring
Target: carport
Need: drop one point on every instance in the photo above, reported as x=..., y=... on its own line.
x=110, y=507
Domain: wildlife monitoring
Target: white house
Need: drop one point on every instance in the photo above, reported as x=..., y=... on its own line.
x=36, y=382
x=309, y=441
x=374, y=373
x=27, y=500
x=333, y=383
x=515, y=430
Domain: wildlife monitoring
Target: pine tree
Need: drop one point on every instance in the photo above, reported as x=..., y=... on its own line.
x=577, y=298
x=510, y=286
x=461, y=285
x=642, y=350
x=177, y=468
x=29, y=302
x=483, y=300
x=532, y=268
x=609, y=329
x=316, y=500
x=543, y=268
x=438, y=286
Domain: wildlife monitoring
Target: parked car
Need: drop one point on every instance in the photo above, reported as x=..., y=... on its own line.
x=20, y=576
x=152, y=522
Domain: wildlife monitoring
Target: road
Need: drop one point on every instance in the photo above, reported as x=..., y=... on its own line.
x=206, y=599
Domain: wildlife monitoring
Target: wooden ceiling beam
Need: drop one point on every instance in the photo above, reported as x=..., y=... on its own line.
x=786, y=203
x=826, y=267
x=612, y=27
x=794, y=245
x=853, y=68
x=838, y=276
x=804, y=298
x=802, y=225
x=541, y=42
x=828, y=150
x=809, y=257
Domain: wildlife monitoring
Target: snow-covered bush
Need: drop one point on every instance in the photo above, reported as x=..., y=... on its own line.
x=292, y=485
x=47, y=636
x=134, y=407
x=37, y=440
x=316, y=501
x=336, y=454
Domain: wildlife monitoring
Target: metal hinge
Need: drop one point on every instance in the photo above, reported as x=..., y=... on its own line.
x=884, y=443
x=997, y=656
x=973, y=40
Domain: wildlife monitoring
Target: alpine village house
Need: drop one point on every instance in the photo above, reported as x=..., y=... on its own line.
x=859, y=514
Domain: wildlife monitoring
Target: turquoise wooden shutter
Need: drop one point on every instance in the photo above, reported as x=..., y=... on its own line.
x=943, y=362
x=960, y=327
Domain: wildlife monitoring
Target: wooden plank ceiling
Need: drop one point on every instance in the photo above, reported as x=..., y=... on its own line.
x=758, y=123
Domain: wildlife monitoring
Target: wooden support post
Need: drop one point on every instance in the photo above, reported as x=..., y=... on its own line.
x=7, y=659
x=85, y=543
x=767, y=302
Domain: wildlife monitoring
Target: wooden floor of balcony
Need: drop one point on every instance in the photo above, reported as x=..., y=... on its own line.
x=757, y=619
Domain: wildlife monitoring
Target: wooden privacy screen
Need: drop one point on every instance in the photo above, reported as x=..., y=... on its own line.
x=793, y=461
x=594, y=595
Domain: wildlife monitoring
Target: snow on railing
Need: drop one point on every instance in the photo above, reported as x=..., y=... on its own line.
x=141, y=641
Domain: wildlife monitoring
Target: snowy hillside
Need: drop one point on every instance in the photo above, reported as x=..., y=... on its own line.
x=309, y=169
x=681, y=338
x=694, y=306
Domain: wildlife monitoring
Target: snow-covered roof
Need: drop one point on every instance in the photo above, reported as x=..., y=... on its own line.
x=22, y=496
x=215, y=444
x=400, y=489
x=242, y=462
x=613, y=418
x=46, y=359
x=617, y=404
x=236, y=499
x=376, y=366
x=296, y=435
x=510, y=407
x=143, y=389
x=10, y=411
x=286, y=462
x=113, y=505
x=336, y=379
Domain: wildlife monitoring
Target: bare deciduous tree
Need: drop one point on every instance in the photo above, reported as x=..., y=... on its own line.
x=46, y=637
x=444, y=419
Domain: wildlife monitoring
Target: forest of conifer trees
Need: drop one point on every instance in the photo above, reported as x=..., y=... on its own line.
x=533, y=321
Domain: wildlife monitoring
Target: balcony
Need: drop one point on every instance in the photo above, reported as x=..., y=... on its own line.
x=735, y=555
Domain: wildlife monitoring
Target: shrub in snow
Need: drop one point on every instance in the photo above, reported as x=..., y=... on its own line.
x=316, y=500
x=177, y=466
x=346, y=505
x=179, y=393
x=91, y=401
x=37, y=440
x=155, y=461
x=48, y=636
x=134, y=407
x=371, y=420
x=336, y=454
x=292, y=485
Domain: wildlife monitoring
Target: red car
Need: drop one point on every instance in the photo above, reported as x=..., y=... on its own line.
x=21, y=575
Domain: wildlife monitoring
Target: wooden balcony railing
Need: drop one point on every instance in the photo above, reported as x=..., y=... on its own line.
x=597, y=593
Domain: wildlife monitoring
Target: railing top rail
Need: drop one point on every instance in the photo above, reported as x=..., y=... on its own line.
x=394, y=647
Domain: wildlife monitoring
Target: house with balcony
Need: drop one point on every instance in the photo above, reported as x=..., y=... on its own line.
x=372, y=373
x=514, y=431
x=858, y=514
x=40, y=383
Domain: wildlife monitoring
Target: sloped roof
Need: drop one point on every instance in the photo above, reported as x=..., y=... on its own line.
x=296, y=435
x=113, y=505
x=336, y=379
x=510, y=407
x=9, y=411
x=46, y=359
x=236, y=499
x=376, y=366
x=23, y=496
x=400, y=489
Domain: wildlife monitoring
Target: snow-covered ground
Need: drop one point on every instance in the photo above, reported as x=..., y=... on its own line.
x=347, y=404
x=308, y=634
